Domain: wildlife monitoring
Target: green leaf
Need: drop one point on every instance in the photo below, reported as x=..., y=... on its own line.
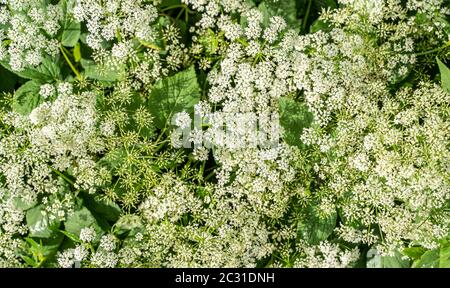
x=294, y=117
x=429, y=259
x=284, y=8
x=395, y=261
x=27, y=97
x=106, y=209
x=29, y=261
x=81, y=218
x=47, y=71
x=445, y=75
x=71, y=236
x=414, y=252
x=8, y=80
x=172, y=95
x=22, y=205
x=444, y=255
x=375, y=260
x=102, y=72
x=71, y=33
x=314, y=227
x=319, y=25
x=77, y=52
x=39, y=224
x=42, y=251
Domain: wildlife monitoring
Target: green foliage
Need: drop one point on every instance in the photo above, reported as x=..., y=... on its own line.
x=113, y=159
x=294, y=117
x=22, y=205
x=148, y=200
x=79, y=219
x=437, y=258
x=27, y=97
x=173, y=94
x=49, y=70
x=71, y=33
x=102, y=71
x=104, y=208
x=429, y=259
x=374, y=260
x=40, y=223
x=315, y=227
x=128, y=224
x=445, y=75
x=39, y=252
x=8, y=80
x=285, y=8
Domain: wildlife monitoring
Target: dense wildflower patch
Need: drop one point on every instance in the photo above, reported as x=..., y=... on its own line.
x=224, y=133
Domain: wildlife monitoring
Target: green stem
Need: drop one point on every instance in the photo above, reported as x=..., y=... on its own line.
x=63, y=51
x=185, y=168
x=173, y=7
x=305, y=20
x=434, y=50
x=150, y=45
x=62, y=176
x=183, y=6
x=210, y=175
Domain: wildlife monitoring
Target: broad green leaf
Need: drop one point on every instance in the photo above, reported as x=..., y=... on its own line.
x=39, y=224
x=314, y=227
x=414, y=252
x=71, y=33
x=172, y=95
x=284, y=8
x=429, y=259
x=47, y=71
x=22, y=205
x=81, y=218
x=395, y=261
x=375, y=260
x=294, y=117
x=107, y=210
x=102, y=72
x=444, y=255
x=27, y=97
x=445, y=75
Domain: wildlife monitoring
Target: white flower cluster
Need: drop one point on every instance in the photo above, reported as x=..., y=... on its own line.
x=387, y=162
x=375, y=158
x=171, y=199
x=212, y=9
x=326, y=255
x=124, y=34
x=27, y=33
x=252, y=181
x=121, y=19
x=55, y=135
